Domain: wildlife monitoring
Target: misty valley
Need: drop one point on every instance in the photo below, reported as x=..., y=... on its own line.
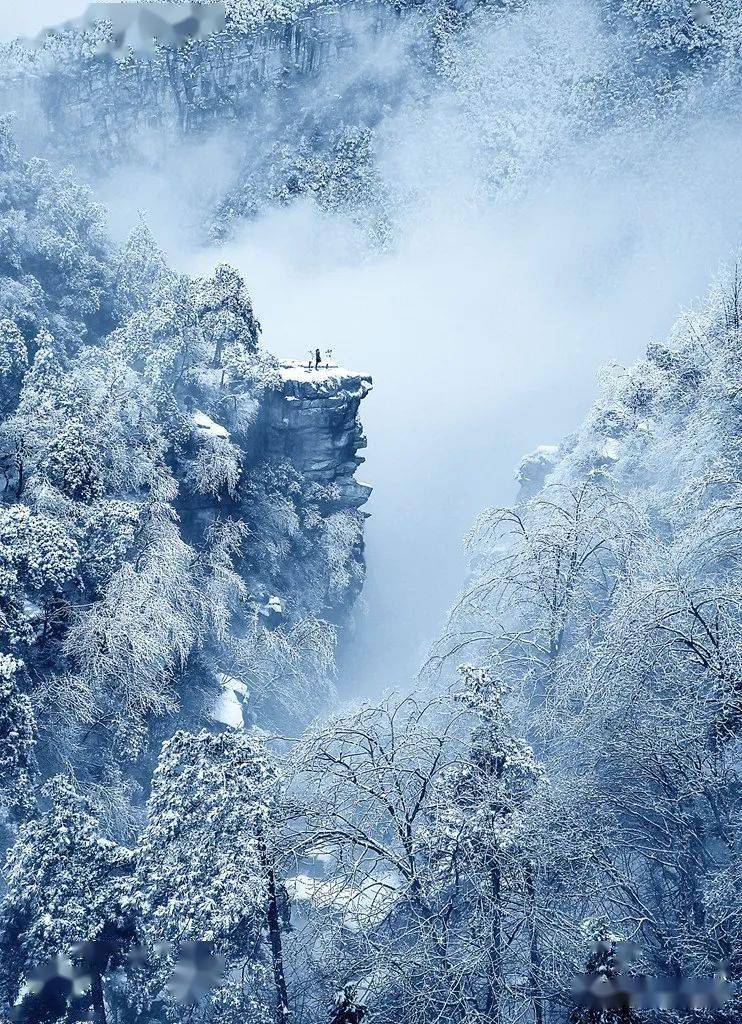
x=371, y=512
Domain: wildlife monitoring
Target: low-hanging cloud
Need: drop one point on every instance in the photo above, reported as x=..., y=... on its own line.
x=485, y=323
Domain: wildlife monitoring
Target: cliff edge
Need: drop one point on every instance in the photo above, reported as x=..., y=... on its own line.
x=311, y=419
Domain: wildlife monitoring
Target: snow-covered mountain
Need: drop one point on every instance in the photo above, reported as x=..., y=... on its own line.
x=544, y=825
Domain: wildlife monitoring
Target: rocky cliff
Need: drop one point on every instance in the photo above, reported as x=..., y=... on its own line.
x=533, y=470
x=311, y=419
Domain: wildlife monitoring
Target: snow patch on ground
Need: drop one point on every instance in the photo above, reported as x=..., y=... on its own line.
x=228, y=707
x=206, y=426
x=295, y=369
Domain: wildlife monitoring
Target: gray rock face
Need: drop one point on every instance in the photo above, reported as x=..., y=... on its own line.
x=311, y=419
x=533, y=470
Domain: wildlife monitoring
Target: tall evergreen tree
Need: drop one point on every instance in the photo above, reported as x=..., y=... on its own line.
x=68, y=895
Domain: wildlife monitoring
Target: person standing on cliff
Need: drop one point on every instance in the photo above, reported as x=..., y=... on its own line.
x=317, y=359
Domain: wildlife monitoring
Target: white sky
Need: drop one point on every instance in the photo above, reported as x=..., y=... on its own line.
x=29, y=17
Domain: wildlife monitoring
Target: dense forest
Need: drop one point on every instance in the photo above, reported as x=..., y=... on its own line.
x=545, y=825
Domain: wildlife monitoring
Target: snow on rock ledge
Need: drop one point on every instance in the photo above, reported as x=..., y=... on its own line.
x=534, y=468
x=311, y=419
x=206, y=427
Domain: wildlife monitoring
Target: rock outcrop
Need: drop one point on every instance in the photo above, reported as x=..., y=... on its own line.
x=533, y=470
x=311, y=419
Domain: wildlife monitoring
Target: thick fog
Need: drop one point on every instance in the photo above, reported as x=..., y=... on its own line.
x=483, y=337
x=486, y=321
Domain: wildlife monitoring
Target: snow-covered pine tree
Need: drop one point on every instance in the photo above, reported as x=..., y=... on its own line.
x=18, y=734
x=204, y=873
x=603, y=1003
x=68, y=887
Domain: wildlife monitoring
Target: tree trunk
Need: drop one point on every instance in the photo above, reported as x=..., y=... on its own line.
x=276, y=944
x=96, y=997
x=495, y=981
x=218, y=348
x=534, y=951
